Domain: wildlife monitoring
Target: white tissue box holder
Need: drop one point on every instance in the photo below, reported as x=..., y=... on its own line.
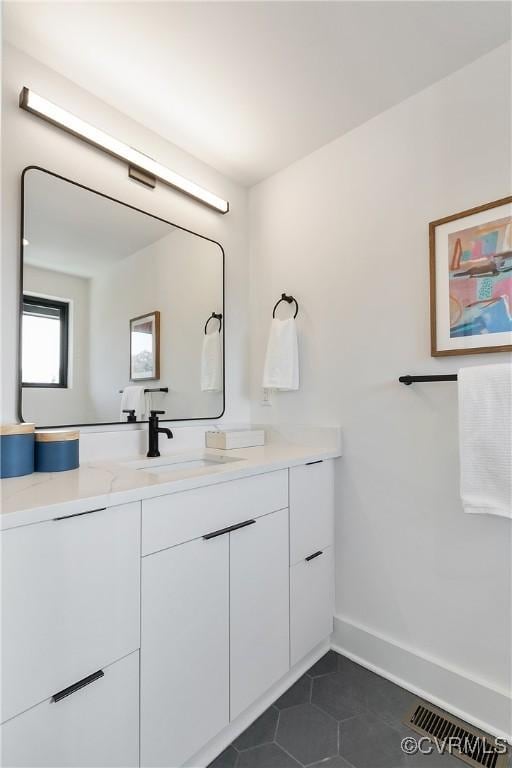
x=235, y=438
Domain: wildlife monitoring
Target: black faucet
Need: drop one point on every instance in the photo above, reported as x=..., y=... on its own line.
x=154, y=429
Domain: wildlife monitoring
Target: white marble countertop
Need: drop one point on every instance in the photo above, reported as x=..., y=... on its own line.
x=41, y=496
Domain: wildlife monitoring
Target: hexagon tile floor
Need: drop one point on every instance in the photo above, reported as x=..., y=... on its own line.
x=338, y=715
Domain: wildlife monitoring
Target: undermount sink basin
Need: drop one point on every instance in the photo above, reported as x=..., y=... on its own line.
x=190, y=464
x=165, y=464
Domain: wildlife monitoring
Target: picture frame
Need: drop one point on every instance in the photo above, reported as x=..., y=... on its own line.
x=145, y=347
x=471, y=280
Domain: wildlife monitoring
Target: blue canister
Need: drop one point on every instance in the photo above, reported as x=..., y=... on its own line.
x=16, y=450
x=56, y=450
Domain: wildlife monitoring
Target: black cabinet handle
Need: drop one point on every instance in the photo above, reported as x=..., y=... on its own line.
x=222, y=531
x=79, y=514
x=310, y=463
x=77, y=686
x=315, y=554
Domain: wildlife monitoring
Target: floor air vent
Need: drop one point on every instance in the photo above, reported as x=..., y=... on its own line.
x=456, y=737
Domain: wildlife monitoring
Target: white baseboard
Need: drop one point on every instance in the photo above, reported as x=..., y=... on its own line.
x=219, y=743
x=471, y=700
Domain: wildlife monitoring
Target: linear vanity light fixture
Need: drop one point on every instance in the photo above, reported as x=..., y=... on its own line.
x=141, y=167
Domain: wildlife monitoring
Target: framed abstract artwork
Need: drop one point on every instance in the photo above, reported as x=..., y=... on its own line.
x=471, y=280
x=145, y=347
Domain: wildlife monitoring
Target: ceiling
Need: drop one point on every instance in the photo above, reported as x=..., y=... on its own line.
x=74, y=231
x=250, y=87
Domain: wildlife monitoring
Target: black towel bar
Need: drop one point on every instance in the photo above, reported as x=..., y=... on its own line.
x=156, y=389
x=414, y=379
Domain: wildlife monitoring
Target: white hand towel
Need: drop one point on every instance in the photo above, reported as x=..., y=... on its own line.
x=133, y=398
x=211, y=362
x=485, y=436
x=282, y=359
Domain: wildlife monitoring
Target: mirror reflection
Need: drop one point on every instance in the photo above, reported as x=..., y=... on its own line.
x=121, y=312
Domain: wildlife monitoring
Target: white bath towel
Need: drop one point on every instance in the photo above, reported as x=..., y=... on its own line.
x=133, y=398
x=282, y=359
x=485, y=437
x=211, y=362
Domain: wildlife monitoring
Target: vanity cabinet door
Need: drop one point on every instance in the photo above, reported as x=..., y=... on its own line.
x=311, y=508
x=311, y=602
x=96, y=726
x=70, y=601
x=180, y=517
x=184, y=650
x=259, y=608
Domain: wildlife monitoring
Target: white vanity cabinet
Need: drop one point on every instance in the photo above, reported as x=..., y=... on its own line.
x=70, y=608
x=259, y=626
x=311, y=508
x=136, y=634
x=311, y=603
x=185, y=650
x=92, y=727
x=311, y=556
x=215, y=619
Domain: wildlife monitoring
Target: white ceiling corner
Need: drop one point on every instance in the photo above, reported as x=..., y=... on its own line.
x=250, y=87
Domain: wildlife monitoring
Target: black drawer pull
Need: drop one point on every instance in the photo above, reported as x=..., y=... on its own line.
x=222, y=531
x=79, y=514
x=77, y=686
x=310, y=463
x=315, y=554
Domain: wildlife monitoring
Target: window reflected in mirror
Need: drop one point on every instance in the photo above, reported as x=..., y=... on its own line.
x=44, y=342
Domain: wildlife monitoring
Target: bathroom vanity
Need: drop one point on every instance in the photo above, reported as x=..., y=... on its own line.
x=152, y=610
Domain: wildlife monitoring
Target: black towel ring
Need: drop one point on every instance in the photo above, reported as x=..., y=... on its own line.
x=289, y=300
x=213, y=316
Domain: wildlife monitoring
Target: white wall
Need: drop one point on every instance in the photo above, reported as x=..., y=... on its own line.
x=345, y=230
x=181, y=276
x=70, y=405
x=28, y=140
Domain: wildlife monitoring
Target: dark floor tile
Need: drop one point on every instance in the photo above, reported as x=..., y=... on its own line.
x=344, y=661
x=366, y=741
x=357, y=678
x=332, y=762
x=299, y=693
x=388, y=700
x=354, y=672
x=307, y=733
x=260, y=732
x=324, y=666
x=226, y=759
x=337, y=696
x=266, y=756
x=374, y=692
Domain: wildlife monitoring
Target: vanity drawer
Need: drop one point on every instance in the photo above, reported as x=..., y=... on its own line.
x=70, y=601
x=311, y=603
x=179, y=517
x=311, y=508
x=96, y=726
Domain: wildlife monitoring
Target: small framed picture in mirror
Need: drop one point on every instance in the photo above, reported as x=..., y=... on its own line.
x=145, y=347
